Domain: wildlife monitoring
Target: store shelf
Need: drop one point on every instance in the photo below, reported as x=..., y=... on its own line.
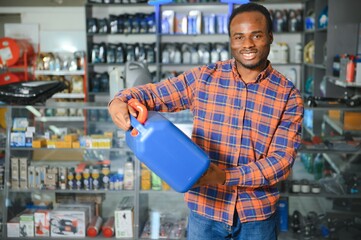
x=338, y=126
x=117, y=5
x=69, y=95
x=81, y=191
x=318, y=66
x=60, y=119
x=335, y=162
x=112, y=149
x=59, y=73
x=327, y=150
x=119, y=34
x=322, y=195
x=340, y=83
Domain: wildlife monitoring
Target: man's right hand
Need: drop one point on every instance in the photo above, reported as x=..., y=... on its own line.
x=119, y=111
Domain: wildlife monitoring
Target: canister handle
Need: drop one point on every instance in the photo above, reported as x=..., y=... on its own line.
x=142, y=116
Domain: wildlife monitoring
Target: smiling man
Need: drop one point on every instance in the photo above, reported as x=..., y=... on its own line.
x=247, y=117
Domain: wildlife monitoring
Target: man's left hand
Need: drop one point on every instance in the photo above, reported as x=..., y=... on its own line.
x=213, y=176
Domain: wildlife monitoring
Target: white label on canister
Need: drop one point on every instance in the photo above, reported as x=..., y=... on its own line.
x=5, y=54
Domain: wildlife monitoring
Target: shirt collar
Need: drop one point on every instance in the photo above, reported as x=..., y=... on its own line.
x=261, y=76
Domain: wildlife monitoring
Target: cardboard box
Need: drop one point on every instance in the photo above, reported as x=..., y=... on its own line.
x=26, y=225
x=42, y=223
x=13, y=227
x=351, y=121
x=23, y=177
x=17, y=139
x=68, y=222
x=15, y=171
x=123, y=215
x=39, y=143
x=57, y=155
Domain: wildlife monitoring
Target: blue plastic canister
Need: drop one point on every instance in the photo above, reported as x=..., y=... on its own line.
x=167, y=151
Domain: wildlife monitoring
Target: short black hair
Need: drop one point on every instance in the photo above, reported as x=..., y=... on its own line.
x=251, y=7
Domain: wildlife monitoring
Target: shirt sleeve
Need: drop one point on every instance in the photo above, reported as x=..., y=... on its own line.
x=277, y=164
x=171, y=95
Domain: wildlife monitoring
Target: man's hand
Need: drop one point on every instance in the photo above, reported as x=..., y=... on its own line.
x=213, y=176
x=119, y=111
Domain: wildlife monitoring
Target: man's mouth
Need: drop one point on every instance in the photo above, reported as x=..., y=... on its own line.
x=248, y=54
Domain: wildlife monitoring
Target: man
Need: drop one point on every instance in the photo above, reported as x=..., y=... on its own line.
x=247, y=118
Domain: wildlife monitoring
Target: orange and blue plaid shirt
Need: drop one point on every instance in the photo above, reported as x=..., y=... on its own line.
x=252, y=131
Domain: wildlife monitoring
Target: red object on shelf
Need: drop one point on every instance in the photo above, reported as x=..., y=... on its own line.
x=94, y=226
x=13, y=51
x=9, y=77
x=108, y=228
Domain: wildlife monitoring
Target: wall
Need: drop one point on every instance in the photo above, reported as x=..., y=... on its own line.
x=67, y=22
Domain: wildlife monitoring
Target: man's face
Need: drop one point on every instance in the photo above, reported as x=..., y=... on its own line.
x=250, y=40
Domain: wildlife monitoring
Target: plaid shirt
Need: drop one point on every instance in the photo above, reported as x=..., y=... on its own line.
x=250, y=130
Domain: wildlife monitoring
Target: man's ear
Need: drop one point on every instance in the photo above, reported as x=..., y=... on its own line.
x=270, y=38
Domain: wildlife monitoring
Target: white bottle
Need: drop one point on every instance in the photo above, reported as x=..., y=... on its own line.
x=116, y=82
x=298, y=53
x=128, y=175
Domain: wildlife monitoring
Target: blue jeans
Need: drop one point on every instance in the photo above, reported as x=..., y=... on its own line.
x=202, y=228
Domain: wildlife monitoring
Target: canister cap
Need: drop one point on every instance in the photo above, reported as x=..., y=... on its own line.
x=107, y=232
x=92, y=232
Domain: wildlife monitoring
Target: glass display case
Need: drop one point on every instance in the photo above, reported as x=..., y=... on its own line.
x=68, y=162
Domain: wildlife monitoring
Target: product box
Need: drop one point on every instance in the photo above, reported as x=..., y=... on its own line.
x=92, y=198
x=13, y=227
x=29, y=139
x=15, y=181
x=26, y=228
x=123, y=215
x=42, y=224
x=23, y=177
x=51, y=178
x=17, y=139
x=31, y=177
x=68, y=222
x=89, y=206
x=40, y=172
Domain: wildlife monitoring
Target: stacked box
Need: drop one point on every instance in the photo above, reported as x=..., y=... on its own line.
x=41, y=221
x=15, y=183
x=23, y=162
x=13, y=227
x=123, y=215
x=26, y=225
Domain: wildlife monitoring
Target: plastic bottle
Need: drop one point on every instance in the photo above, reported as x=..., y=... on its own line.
x=350, y=69
x=336, y=66
x=116, y=82
x=108, y=228
x=298, y=53
x=156, y=182
x=94, y=226
x=129, y=175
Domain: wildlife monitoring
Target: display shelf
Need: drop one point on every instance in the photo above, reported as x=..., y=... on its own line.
x=340, y=83
x=60, y=119
x=322, y=195
x=327, y=150
x=106, y=5
x=118, y=34
x=319, y=66
x=338, y=126
x=59, y=73
x=112, y=149
x=69, y=95
x=81, y=191
x=335, y=162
